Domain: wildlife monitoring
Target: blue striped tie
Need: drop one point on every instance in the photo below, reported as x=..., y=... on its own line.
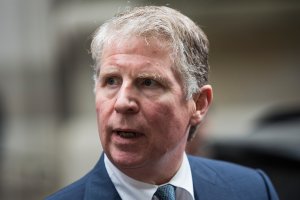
x=165, y=192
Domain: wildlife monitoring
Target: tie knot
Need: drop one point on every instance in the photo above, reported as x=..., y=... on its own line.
x=165, y=192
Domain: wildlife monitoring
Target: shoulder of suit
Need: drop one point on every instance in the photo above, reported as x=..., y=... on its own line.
x=73, y=191
x=239, y=179
x=243, y=182
x=222, y=172
x=224, y=168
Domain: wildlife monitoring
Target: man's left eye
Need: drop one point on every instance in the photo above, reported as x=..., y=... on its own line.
x=149, y=82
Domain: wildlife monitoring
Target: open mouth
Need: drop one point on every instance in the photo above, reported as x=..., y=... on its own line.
x=128, y=135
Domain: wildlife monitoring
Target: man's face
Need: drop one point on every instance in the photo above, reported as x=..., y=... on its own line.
x=143, y=115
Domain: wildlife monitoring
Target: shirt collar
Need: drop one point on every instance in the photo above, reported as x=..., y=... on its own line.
x=128, y=187
x=183, y=179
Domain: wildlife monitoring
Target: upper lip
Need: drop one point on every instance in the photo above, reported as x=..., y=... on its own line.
x=126, y=130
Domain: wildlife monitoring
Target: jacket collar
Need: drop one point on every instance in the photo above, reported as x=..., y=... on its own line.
x=207, y=184
x=99, y=185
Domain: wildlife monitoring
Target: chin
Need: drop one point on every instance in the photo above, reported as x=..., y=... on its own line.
x=126, y=160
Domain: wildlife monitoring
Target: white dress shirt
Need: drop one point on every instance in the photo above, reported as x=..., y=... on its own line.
x=131, y=189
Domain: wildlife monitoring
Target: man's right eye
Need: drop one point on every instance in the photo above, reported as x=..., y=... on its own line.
x=111, y=81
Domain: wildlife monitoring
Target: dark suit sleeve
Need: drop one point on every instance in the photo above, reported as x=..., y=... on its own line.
x=269, y=187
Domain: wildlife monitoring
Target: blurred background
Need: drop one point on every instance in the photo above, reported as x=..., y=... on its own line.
x=48, y=131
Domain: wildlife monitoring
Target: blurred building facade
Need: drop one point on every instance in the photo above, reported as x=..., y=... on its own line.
x=48, y=126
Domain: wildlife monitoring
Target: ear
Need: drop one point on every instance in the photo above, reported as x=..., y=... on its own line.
x=202, y=101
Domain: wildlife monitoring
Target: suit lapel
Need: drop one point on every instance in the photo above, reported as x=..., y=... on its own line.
x=99, y=186
x=207, y=184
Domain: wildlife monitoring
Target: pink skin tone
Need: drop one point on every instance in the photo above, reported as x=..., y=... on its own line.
x=143, y=115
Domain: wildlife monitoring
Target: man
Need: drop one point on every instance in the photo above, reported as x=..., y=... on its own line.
x=152, y=91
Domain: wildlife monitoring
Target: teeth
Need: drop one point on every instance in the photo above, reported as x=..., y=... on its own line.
x=126, y=134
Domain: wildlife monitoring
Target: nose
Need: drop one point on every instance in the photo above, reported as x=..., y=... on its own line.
x=126, y=102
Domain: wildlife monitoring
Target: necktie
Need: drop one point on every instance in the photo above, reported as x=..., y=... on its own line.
x=165, y=192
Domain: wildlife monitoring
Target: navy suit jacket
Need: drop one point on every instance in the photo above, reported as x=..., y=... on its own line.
x=212, y=180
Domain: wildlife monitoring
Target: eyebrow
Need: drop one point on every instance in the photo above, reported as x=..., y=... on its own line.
x=109, y=71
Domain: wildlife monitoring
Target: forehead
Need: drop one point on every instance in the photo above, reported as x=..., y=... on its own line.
x=149, y=54
x=138, y=51
x=151, y=47
x=159, y=49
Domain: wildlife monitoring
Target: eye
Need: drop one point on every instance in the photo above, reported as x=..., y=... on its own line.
x=149, y=82
x=111, y=81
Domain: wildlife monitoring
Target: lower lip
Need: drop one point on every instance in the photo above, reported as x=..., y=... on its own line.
x=123, y=140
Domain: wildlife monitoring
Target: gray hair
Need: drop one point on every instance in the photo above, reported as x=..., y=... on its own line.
x=188, y=43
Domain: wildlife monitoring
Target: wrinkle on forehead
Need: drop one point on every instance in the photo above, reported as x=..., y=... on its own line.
x=133, y=44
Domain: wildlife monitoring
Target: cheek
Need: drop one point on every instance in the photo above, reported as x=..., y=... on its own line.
x=102, y=110
x=102, y=103
x=168, y=120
